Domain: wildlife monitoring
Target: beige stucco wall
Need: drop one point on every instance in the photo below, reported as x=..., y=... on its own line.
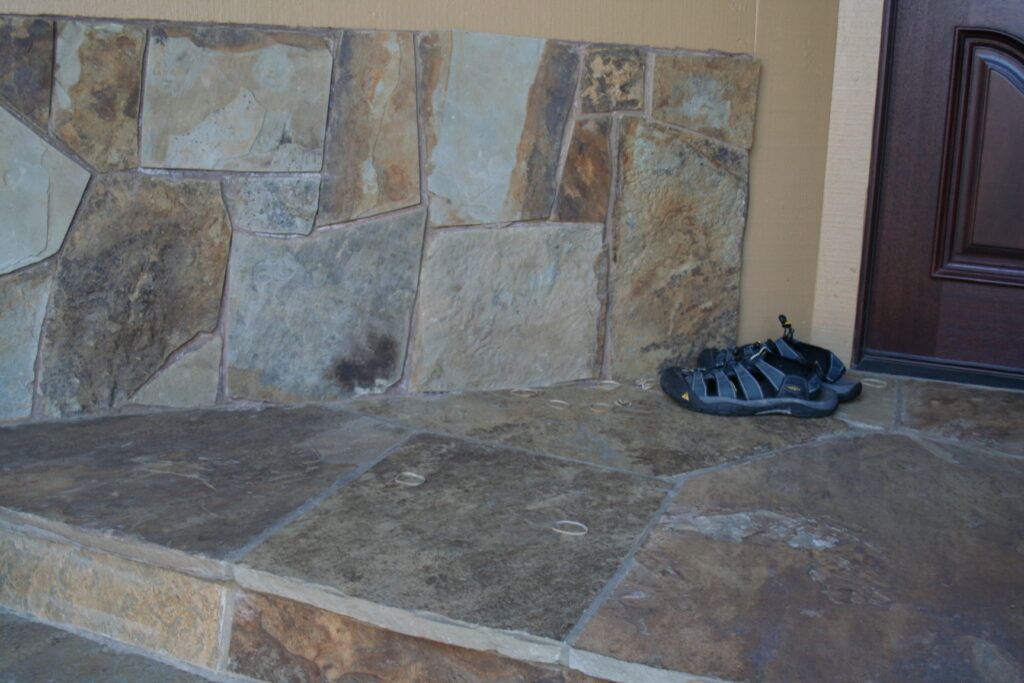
x=795, y=40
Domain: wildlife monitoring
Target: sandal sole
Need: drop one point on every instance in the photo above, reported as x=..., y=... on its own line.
x=676, y=388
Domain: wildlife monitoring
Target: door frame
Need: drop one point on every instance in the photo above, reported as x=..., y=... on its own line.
x=898, y=363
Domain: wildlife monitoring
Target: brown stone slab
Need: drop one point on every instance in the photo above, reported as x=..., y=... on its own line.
x=141, y=274
x=677, y=237
x=987, y=417
x=26, y=65
x=474, y=541
x=625, y=428
x=873, y=558
x=714, y=95
x=98, y=79
x=275, y=639
x=587, y=178
x=31, y=651
x=371, y=157
x=199, y=481
x=613, y=79
x=138, y=604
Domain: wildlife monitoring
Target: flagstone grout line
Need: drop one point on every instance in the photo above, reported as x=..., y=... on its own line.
x=625, y=566
x=227, y=619
x=609, y=246
x=147, y=37
x=237, y=555
x=402, y=385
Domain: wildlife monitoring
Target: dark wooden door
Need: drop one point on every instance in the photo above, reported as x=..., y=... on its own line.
x=943, y=279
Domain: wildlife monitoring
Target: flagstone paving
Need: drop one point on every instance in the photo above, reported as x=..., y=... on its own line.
x=409, y=536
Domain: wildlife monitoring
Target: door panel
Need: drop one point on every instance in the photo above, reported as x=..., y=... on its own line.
x=943, y=278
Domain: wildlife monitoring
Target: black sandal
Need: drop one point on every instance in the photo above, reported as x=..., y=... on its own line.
x=763, y=382
x=830, y=368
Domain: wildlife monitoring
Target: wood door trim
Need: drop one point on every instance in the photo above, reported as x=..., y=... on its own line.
x=874, y=176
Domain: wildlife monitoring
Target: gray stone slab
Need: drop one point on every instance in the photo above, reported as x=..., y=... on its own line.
x=142, y=273
x=878, y=404
x=525, y=302
x=865, y=559
x=97, y=83
x=624, y=427
x=272, y=205
x=207, y=482
x=23, y=299
x=30, y=651
x=235, y=99
x=40, y=192
x=677, y=238
x=715, y=95
x=475, y=540
x=372, y=156
x=493, y=135
x=190, y=381
x=26, y=65
x=322, y=317
x=991, y=418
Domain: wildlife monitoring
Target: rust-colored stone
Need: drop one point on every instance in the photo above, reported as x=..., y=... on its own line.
x=613, y=79
x=587, y=178
x=371, y=162
x=276, y=639
x=96, y=98
x=677, y=234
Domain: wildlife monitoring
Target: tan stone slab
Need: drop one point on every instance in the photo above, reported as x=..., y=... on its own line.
x=277, y=639
x=26, y=65
x=154, y=609
x=613, y=79
x=525, y=302
x=714, y=95
x=624, y=428
x=872, y=558
x=188, y=382
x=474, y=540
x=677, y=237
x=987, y=417
x=371, y=162
x=587, y=178
x=235, y=99
x=97, y=83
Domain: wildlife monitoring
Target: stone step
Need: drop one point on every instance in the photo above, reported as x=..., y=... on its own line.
x=418, y=538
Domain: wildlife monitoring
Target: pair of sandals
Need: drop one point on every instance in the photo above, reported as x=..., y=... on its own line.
x=784, y=376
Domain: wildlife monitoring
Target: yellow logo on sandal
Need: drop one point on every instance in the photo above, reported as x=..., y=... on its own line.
x=686, y=396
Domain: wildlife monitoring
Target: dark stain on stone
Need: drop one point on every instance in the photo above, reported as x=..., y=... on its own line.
x=376, y=360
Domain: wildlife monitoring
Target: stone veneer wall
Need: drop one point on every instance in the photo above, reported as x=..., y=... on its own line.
x=199, y=215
